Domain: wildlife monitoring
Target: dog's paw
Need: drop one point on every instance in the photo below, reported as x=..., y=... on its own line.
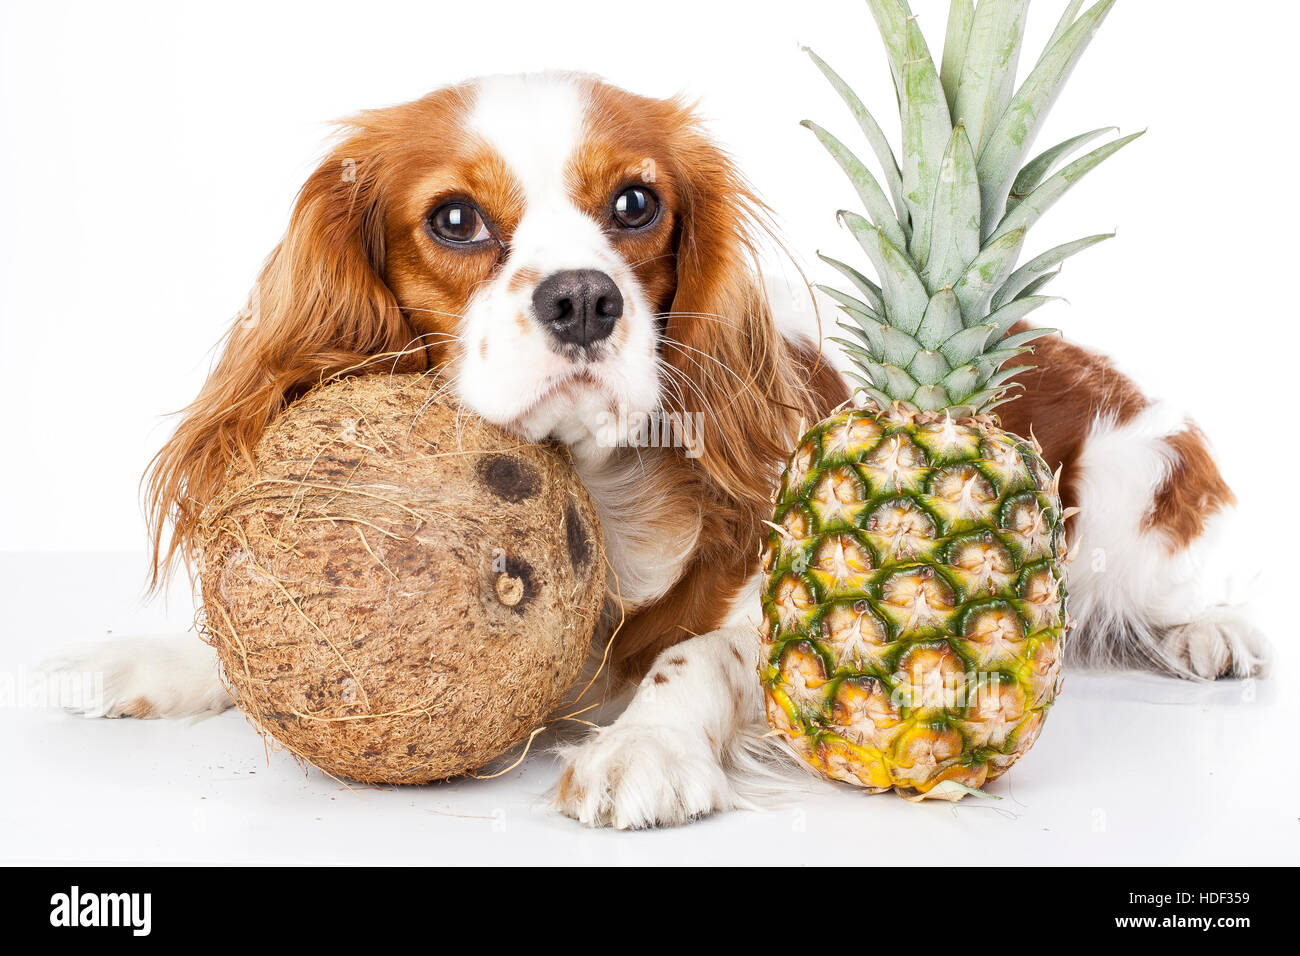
x=1220, y=643
x=138, y=677
x=634, y=776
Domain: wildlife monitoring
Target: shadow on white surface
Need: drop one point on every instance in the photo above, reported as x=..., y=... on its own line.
x=1130, y=769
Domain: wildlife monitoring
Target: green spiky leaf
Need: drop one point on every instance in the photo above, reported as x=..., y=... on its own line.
x=904, y=293
x=1013, y=135
x=1068, y=16
x=989, y=270
x=1011, y=313
x=994, y=359
x=873, y=197
x=960, y=15
x=867, y=332
x=1041, y=199
x=875, y=136
x=946, y=220
x=928, y=367
x=988, y=73
x=984, y=400
x=863, y=341
x=1004, y=375
x=962, y=380
x=1035, y=268
x=857, y=305
x=859, y=353
x=1034, y=287
x=870, y=291
x=865, y=321
x=889, y=346
x=876, y=395
x=891, y=18
x=954, y=215
x=931, y=398
x=927, y=127
x=942, y=319
x=1024, y=338
x=892, y=379
x=1044, y=162
x=897, y=348
x=966, y=345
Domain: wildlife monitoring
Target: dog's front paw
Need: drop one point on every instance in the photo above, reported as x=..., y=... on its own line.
x=138, y=677
x=634, y=776
x=1220, y=643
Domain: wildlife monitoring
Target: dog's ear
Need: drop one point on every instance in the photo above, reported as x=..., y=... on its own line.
x=745, y=390
x=746, y=387
x=319, y=307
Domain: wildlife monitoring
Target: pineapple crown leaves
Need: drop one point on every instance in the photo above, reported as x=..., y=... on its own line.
x=945, y=232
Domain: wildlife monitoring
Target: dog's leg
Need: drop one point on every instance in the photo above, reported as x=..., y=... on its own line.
x=675, y=752
x=1151, y=584
x=142, y=677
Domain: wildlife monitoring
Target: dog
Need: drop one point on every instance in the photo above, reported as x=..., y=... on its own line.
x=571, y=255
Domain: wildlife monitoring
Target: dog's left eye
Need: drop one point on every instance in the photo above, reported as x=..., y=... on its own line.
x=635, y=207
x=458, y=222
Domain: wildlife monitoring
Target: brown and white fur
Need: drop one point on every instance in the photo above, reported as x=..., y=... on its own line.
x=544, y=158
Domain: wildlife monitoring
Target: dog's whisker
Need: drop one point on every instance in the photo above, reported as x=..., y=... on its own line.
x=677, y=377
x=747, y=385
x=641, y=262
x=710, y=316
x=414, y=308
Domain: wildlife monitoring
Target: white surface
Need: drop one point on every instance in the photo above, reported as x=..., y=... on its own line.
x=1130, y=769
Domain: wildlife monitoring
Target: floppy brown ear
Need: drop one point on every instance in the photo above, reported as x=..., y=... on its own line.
x=744, y=385
x=319, y=307
x=748, y=387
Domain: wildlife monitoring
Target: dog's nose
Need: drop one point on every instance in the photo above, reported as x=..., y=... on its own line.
x=579, y=306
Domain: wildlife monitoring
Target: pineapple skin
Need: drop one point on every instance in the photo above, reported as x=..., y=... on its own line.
x=913, y=599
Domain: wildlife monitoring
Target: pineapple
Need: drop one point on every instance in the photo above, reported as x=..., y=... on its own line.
x=914, y=598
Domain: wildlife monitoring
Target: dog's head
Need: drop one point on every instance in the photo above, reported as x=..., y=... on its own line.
x=548, y=227
x=562, y=245
x=573, y=256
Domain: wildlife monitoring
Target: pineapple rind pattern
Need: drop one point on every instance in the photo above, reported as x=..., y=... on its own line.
x=914, y=603
x=914, y=600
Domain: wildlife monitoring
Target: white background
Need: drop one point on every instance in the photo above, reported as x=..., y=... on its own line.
x=149, y=155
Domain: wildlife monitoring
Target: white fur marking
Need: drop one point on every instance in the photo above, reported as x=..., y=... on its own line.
x=1131, y=598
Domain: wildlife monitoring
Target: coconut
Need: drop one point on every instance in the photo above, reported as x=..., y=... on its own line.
x=399, y=592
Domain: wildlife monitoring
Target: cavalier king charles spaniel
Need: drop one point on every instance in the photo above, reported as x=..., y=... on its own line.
x=574, y=257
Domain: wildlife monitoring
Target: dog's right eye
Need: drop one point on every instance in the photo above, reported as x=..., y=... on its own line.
x=458, y=222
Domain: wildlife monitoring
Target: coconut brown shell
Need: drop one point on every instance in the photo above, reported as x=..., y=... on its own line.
x=399, y=592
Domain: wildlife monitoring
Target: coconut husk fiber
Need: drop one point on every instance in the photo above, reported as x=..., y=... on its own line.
x=399, y=592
